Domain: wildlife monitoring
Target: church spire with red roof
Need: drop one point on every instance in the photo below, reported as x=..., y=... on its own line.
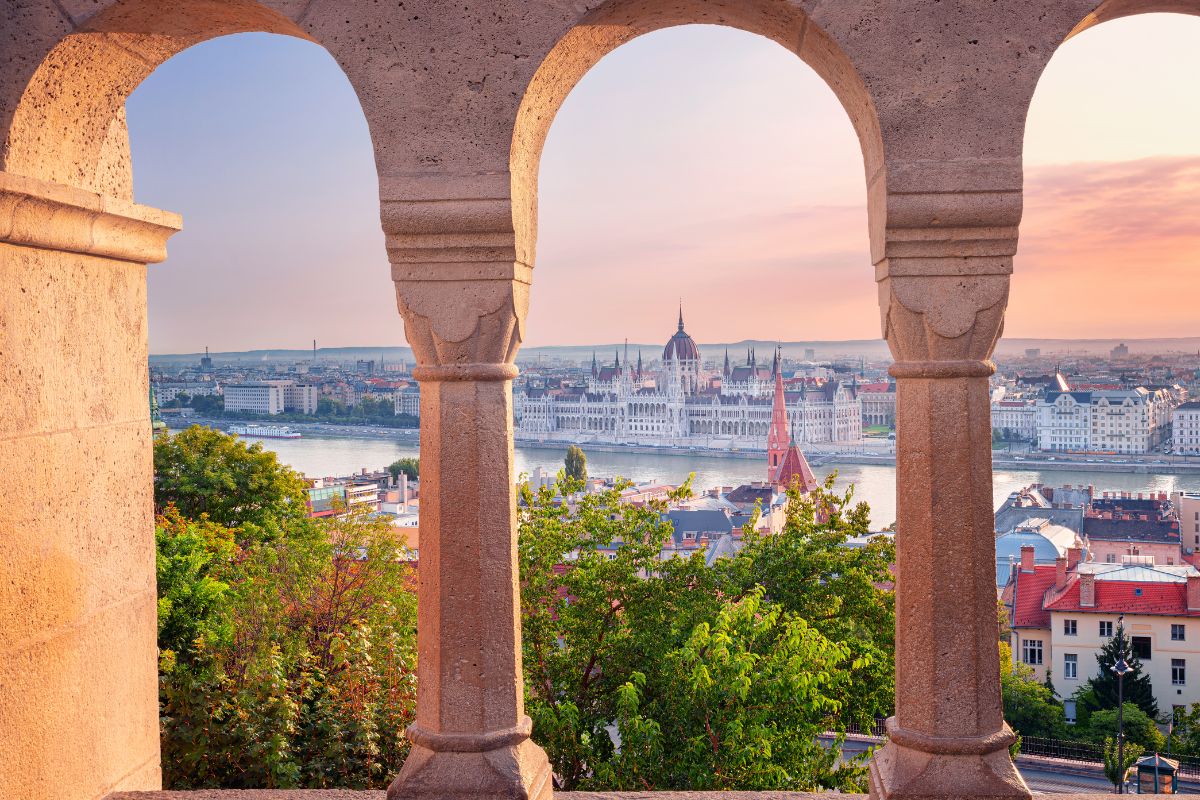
x=778, y=436
x=786, y=463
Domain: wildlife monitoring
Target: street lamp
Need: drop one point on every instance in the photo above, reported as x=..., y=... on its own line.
x=1121, y=667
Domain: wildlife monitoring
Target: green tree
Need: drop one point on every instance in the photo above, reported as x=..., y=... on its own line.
x=1101, y=690
x=303, y=674
x=205, y=473
x=712, y=680
x=409, y=466
x=1138, y=727
x=576, y=464
x=1030, y=706
x=1114, y=769
x=844, y=592
x=286, y=660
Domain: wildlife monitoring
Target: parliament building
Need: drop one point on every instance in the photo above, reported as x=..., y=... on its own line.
x=681, y=404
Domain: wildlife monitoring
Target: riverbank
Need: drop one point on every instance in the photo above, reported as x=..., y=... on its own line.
x=1138, y=465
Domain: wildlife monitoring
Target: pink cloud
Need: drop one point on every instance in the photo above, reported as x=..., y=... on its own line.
x=1109, y=249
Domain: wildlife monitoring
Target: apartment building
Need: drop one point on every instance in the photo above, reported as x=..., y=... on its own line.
x=1123, y=421
x=272, y=397
x=1185, y=429
x=1063, y=614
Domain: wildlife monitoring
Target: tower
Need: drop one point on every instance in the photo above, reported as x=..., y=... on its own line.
x=778, y=436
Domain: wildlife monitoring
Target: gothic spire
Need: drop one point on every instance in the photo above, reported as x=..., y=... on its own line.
x=595, y=369
x=726, y=372
x=681, y=315
x=639, y=366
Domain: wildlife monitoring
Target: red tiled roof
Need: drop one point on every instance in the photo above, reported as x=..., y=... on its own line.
x=1121, y=597
x=794, y=467
x=1031, y=591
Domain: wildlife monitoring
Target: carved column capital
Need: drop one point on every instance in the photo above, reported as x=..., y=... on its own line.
x=941, y=326
x=943, y=251
x=462, y=292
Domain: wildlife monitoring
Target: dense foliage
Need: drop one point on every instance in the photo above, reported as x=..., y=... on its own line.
x=1138, y=727
x=710, y=677
x=1030, y=707
x=285, y=661
x=287, y=645
x=410, y=467
x=1118, y=760
x=202, y=472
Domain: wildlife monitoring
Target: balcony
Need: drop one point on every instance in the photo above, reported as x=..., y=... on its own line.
x=459, y=102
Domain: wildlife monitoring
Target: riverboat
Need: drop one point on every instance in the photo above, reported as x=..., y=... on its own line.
x=265, y=431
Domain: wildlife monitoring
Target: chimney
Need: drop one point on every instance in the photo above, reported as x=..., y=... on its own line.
x=1087, y=590
x=1193, y=593
x=1026, y=558
x=1073, y=556
x=1060, y=572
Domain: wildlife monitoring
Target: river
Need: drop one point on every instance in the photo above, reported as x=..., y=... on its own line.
x=316, y=455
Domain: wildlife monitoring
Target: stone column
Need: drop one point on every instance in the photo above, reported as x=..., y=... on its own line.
x=943, y=291
x=464, y=297
x=78, y=615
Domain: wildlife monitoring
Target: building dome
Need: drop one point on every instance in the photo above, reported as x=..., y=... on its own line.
x=681, y=347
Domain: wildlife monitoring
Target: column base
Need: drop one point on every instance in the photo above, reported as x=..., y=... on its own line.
x=912, y=766
x=457, y=767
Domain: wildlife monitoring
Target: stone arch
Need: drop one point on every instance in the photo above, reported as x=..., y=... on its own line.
x=620, y=21
x=67, y=125
x=1109, y=10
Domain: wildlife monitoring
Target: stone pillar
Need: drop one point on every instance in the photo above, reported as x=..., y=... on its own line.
x=464, y=297
x=78, y=616
x=943, y=292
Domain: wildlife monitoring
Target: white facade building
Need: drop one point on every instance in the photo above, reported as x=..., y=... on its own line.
x=679, y=405
x=166, y=392
x=1103, y=421
x=408, y=401
x=258, y=397
x=1015, y=419
x=1185, y=429
x=271, y=397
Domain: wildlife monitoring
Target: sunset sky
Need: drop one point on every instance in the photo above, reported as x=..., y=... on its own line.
x=697, y=163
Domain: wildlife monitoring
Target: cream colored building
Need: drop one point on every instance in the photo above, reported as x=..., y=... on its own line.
x=1063, y=617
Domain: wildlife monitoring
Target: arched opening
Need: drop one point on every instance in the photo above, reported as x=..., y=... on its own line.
x=616, y=23
x=1108, y=243
x=79, y=669
x=678, y=392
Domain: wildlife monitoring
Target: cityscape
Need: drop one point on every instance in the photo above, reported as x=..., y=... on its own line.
x=705, y=399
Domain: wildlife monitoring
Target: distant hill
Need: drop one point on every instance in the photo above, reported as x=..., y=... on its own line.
x=871, y=349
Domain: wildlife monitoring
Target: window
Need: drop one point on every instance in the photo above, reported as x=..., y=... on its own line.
x=1106, y=628
x=1177, y=633
x=1178, y=672
x=1071, y=666
x=1141, y=647
x=1111, y=558
x=1031, y=650
x=1070, y=627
